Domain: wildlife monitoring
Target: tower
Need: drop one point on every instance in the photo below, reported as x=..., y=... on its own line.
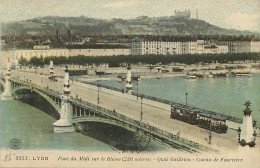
x=197, y=14
x=128, y=84
x=64, y=124
x=7, y=94
x=247, y=130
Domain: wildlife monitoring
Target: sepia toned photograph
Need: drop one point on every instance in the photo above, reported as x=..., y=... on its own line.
x=130, y=83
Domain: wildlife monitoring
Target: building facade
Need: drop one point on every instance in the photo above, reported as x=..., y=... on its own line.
x=176, y=48
x=99, y=52
x=255, y=46
x=27, y=54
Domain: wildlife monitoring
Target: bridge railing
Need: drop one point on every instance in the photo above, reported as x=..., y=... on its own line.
x=142, y=124
x=104, y=86
x=39, y=87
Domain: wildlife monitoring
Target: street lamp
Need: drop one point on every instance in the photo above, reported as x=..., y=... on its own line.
x=210, y=136
x=239, y=133
x=254, y=134
x=141, y=118
x=137, y=90
x=24, y=73
x=41, y=79
x=98, y=86
x=186, y=98
x=254, y=127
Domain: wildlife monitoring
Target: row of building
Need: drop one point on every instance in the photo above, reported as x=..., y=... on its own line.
x=142, y=48
x=194, y=47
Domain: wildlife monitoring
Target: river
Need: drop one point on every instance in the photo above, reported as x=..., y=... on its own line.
x=34, y=128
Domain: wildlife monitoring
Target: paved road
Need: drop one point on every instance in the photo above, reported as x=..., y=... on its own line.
x=131, y=108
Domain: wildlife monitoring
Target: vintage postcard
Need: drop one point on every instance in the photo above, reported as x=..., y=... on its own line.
x=130, y=83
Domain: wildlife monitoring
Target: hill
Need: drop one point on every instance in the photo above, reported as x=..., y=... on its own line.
x=141, y=25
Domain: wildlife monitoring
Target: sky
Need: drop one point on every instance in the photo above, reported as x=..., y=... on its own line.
x=232, y=14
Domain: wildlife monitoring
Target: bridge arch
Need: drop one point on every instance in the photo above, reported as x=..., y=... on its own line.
x=46, y=97
x=114, y=122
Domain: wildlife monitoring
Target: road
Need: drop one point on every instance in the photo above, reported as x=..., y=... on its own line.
x=131, y=108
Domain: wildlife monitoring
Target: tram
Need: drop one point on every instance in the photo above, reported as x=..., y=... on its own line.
x=195, y=117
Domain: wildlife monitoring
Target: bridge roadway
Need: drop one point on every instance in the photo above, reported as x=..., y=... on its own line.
x=155, y=116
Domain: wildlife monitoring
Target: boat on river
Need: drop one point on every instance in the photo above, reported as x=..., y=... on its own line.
x=190, y=75
x=242, y=73
x=121, y=77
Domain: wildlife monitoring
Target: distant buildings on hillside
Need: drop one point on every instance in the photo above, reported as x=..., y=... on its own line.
x=182, y=14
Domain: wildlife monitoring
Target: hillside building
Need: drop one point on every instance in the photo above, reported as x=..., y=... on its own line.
x=182, y=14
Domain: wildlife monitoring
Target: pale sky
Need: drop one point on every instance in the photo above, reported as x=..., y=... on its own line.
x=236, y=14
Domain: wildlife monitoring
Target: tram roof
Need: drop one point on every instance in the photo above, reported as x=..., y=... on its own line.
x=215, y=117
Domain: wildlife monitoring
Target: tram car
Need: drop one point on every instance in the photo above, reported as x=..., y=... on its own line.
x=196, y=117
x=213, y=122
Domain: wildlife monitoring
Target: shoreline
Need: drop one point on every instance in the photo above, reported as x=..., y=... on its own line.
x=158, y=75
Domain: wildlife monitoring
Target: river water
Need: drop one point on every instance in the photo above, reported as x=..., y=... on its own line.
x=222, y=95
x=34, y=128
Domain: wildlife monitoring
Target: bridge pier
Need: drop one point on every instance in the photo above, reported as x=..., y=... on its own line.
x=7, y=94
x=64, y=124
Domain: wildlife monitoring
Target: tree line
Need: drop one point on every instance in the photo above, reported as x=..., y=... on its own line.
x=115, y=61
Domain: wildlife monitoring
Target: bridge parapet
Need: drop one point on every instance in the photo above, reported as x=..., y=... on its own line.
x=123, y=121
x=115, y=117
x=32, y=85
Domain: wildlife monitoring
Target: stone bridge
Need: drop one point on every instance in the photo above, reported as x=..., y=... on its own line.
x=74, y=111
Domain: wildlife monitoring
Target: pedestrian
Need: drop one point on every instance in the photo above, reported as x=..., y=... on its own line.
x=178, y=134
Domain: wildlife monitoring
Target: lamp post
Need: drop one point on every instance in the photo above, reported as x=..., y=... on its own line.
x=24, y=73
x=254, y=127
x=210, y=136
x=254, y=134
x=239, y=133
x=186, y=98
x=41, y=79
x=98, y=86
x=141, y=117
x=137, y=90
